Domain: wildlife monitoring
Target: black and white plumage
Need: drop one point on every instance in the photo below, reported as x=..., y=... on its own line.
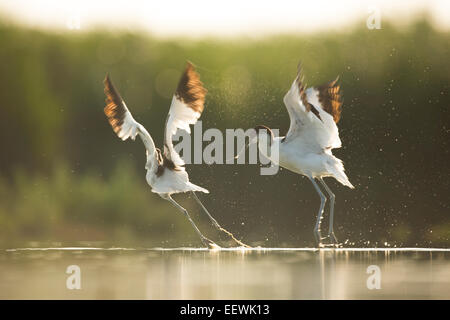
x=166, y=173
x=313, y=133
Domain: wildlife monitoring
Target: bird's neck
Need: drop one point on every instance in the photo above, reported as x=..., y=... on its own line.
x=269, y=146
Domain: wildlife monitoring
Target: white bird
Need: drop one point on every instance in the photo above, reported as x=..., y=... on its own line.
x=166, y=174
x=313, y=133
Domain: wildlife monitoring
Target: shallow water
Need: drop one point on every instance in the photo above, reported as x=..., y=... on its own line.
x=185, y=273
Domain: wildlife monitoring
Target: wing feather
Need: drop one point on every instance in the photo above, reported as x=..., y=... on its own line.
x=310, y=123
x=330, y=98
x=186, y=108
x=123, y=123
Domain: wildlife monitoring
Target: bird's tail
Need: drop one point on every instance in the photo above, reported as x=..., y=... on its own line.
x=336, y=167
x=196, y=188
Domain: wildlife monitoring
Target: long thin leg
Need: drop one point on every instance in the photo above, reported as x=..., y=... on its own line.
x=323, y=199
x=204, y=239
x=216, y=224
x=332, y=199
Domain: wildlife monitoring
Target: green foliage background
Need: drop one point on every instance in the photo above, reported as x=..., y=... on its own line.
x=66, y=178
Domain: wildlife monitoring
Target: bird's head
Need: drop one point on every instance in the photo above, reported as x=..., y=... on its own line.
x=253, y=137
x=262, y=129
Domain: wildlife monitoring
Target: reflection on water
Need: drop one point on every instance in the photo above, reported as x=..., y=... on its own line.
x=226, y=274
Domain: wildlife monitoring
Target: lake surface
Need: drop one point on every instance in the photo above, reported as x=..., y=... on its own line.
x=186, y=273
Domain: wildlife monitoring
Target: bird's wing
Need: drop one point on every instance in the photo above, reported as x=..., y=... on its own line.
x=123, y=123
x=312, y=113
x=330, y=98
x=187, y=106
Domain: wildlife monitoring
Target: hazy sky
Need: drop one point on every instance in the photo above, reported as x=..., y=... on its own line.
x=209, y=17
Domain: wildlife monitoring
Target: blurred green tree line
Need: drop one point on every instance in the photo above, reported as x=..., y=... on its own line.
x=65, y=176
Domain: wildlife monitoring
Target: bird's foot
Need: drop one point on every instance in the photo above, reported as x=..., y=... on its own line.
x=239, y=242
x=210, y=244
x=330, y=245
x=333, y=242
x=334, y=239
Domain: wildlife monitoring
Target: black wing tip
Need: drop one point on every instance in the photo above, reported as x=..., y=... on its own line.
x=300, y=78
x=330, y=84
x=300, y=81
x=110, y=89
x=107, y=82
x=190, y=70
x=190, y=89
x=331, y=97
x=299, y=67
x=334, y=83
x=190, y=64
